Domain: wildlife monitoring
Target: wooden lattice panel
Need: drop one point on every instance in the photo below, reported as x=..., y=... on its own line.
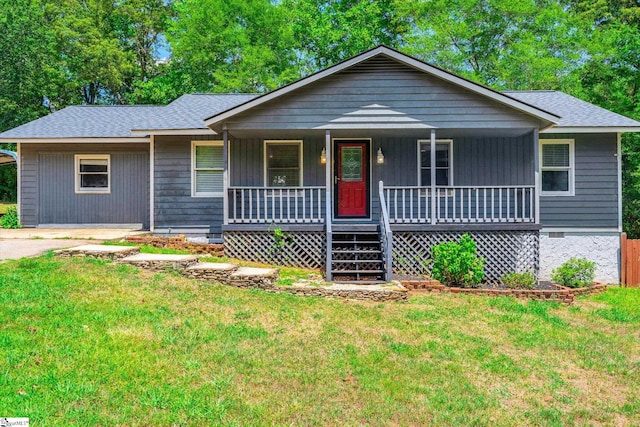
x=505, y=251
x=301, y=248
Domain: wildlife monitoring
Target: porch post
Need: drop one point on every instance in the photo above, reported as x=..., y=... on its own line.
x=536, y=163
x=225, y=176
x=433, y=176
x=152, y=190
x=328, y=200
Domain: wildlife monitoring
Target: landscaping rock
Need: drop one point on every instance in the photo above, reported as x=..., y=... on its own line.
x=211, y=271
x=99, y=251
x=249, y=277
x=161, y=262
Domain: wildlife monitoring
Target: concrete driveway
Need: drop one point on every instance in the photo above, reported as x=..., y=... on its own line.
x=27, y=242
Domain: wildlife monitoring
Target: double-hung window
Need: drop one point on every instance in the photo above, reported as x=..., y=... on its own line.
x=283, y=163
x=443, y=163
x=557, y=167
x=207, y=164
x=93, y=173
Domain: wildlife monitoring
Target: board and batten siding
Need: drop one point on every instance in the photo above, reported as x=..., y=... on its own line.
x=173, y=205
x=595, y=203
x=48, y=185
x=384, y=81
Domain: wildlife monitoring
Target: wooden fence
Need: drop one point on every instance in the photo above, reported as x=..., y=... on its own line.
x=630, y=255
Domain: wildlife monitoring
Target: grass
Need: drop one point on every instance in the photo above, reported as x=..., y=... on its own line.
x=88, y=342
x=288, y=275
x=5, y=206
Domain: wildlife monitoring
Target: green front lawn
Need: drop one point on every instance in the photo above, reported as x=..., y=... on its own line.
x=87, y=342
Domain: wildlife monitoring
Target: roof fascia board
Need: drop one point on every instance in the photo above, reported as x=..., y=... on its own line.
x=591, y=129
x=401, y=57
x=186, y=131
x=73, y=140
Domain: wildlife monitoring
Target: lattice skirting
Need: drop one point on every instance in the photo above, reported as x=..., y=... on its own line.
x=298, y=248
x=505, y=251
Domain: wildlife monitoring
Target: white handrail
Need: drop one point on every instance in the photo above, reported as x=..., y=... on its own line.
x=263, y=205
x=461, y=204
x=385, y=230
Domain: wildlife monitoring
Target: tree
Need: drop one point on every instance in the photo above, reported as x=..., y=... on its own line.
x=231, y=45
x=530, y=44
x=329, y=31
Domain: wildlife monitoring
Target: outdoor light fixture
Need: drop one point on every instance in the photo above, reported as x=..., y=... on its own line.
x=380, y=157
x=323, y=156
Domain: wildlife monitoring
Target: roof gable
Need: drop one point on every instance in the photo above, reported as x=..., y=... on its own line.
x=375, y=56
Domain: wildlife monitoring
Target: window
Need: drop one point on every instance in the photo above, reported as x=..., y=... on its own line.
x=556, y=164
x=93, y=173
x=207, y=164
x=444, y=175
x=283, y=166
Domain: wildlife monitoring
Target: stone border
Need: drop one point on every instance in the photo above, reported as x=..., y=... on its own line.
x=359, y=294
x=561, y=294
x=179, y=243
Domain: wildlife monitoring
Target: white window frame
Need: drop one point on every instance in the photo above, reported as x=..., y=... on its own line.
x=571, y=168
x=194, y=193
x=287, y=142
x=438, y=141
x=78, y=182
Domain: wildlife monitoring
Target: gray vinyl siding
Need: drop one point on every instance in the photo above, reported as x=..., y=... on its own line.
x=174, y=206
x=246, y=161
x=48, y=185
x=384, y=81
x=595, y=204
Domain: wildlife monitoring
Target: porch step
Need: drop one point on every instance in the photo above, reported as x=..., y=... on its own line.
x=99, y=251
x=357, y=257
x=160, y=262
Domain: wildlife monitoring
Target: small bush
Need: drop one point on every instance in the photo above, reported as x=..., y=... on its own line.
x=519, y=280
x=10, y=219
x=575, y=273
x=457, y=264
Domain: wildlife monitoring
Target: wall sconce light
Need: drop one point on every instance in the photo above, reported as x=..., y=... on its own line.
x=380, y=157
x=323, y=156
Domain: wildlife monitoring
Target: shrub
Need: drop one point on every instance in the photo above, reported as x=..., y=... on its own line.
x=575, y=273
x=457, y=264
x=519, y=280
x=10, y=219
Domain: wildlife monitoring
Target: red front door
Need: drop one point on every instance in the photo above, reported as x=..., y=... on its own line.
x=352, y=179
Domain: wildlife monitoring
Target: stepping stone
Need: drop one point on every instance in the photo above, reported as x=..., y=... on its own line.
x=214, y=271
x=99, y=251
x=160, y=262
x=250, y=277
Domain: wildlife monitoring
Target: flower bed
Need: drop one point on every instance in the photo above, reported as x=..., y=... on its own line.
x=178, y=243
x=560, y=293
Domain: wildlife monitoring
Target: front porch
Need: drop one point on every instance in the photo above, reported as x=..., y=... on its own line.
x=401, y=218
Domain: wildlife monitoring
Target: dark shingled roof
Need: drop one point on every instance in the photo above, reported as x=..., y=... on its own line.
x=86, y=122
x=574, y=112
x=189, y=112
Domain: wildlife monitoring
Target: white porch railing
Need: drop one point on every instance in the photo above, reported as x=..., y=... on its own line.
x=461, y=204
x=263, y=205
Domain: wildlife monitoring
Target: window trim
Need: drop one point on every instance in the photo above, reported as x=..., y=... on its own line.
x=571, y=168
x=195, y=144
x=438, y=141
x=91, y=190
x=284, y=142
